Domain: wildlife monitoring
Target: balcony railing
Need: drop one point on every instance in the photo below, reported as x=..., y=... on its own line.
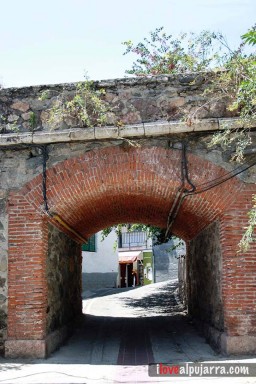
x=132, y=239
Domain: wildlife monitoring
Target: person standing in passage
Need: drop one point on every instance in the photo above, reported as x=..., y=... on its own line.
x=134, y=278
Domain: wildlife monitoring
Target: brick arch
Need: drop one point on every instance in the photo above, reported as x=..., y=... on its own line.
x=113, y=185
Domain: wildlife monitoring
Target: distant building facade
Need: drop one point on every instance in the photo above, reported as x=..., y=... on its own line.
x=129, y=259
x=100, y=262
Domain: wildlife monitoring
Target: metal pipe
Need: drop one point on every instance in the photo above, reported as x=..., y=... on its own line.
x=56, y=217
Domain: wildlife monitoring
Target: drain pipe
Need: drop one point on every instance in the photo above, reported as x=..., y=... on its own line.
x=55, y=216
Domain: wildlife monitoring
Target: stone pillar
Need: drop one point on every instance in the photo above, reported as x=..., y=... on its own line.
x=204, y=275
x=3, y=268
x=27, y=288
x=238, y=280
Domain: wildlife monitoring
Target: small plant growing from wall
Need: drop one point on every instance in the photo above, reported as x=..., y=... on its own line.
x=86, y=108
x=44, y=95
x=32, y=120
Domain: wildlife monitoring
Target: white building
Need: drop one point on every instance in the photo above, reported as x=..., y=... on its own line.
x=100, y=262
x=114, y=261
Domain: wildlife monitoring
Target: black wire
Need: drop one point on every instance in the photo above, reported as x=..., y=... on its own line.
x=185, y=168
x=195, y=190
x=222, y=181
x=181, y=192
x=44, y=177
x=234, y=171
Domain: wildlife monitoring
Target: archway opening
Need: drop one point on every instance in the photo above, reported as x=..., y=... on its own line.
x=98, y=189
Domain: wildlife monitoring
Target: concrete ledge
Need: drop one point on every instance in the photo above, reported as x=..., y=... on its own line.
x=225, y=344
x=238, y=345
x=158, y=128
x=25, y=348
x=131, y=131
x=37, y=349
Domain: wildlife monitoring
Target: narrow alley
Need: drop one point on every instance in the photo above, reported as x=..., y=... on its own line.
x=120, y=333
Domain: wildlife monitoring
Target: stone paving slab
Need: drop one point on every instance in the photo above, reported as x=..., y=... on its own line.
x=120, y=334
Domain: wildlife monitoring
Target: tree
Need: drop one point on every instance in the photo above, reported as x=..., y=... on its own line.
x=233, y=71
x=233, y=78
x=162, y=53
x=155, y=233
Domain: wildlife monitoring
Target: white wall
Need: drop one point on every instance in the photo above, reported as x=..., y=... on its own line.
x=105, y=259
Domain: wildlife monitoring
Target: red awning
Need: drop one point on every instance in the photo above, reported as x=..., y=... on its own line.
x=129, y=257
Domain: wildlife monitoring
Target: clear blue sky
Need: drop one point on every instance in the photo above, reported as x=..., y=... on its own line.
x=54, y=41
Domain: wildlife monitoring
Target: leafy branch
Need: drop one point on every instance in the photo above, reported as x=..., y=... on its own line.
x=233, y=80
x=249, y=235
x=155, y=233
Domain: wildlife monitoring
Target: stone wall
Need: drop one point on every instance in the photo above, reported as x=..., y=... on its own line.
x=165, y=262
x=3, y=297
x=64, y=274
x=144, y=179
x=204, y=278
x=98, y=280
x=3, y=268
x=18, y=167
x=182, y=278
x=132, y=101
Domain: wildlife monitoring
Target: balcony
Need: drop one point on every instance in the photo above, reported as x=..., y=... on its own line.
x=133, y=240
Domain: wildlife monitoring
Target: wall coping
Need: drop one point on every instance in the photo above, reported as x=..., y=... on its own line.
x=142, y=130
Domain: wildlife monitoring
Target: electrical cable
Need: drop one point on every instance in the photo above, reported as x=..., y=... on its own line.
x=181, y=192
x=44, y=181
x=185, y=168
x=55, y=216
x=210, y=186
x=197, y=190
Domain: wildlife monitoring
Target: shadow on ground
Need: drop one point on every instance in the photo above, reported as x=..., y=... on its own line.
x=164, y=301
x=104, y=292
x=136, y=327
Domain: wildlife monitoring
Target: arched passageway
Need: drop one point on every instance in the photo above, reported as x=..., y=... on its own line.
x=112, y=185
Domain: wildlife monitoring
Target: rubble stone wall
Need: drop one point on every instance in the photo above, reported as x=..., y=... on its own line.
x=130, y=101
x=64, y=279
x=205, y=299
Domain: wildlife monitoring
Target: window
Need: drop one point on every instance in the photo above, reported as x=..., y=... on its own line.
x=132, y=239
x=91, y=245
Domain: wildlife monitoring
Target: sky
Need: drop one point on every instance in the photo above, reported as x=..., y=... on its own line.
x=57, y=41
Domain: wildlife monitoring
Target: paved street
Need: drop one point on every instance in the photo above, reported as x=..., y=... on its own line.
x=122, y=331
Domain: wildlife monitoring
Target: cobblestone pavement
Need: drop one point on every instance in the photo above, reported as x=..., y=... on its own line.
x=122, y=331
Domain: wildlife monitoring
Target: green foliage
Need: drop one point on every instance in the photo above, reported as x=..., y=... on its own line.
x=250, y=36
x=162, y=53
x=13, y=127
x=85, y=109
x=155, y=233
x=238, y=83
x=6, y=127
x=32, y=120
x=240, y=137
x=106, y=231
x=44, y=95
x=233, y=74
x=249, y=234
